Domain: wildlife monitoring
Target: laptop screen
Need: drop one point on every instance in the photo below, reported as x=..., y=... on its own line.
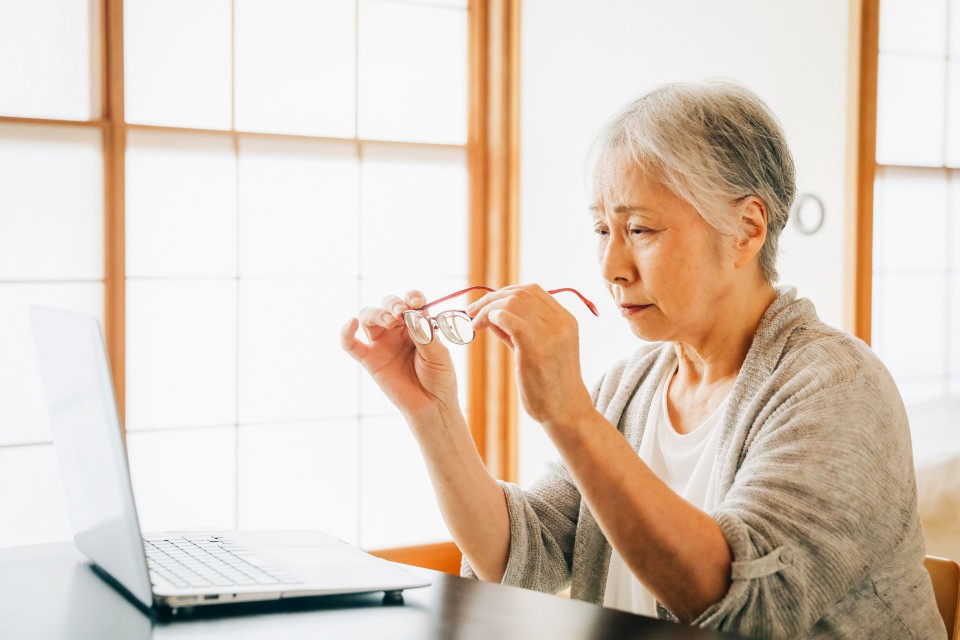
x=89, y=444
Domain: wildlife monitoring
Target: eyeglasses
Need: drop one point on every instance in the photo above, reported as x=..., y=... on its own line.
x=456, y=325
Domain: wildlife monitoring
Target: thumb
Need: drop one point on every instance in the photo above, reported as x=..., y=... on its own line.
x=434, y=352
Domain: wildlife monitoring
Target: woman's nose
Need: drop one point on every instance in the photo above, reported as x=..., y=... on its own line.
x=616, y=262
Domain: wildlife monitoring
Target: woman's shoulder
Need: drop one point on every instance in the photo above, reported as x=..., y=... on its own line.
x=817, y=350
x=817, y=358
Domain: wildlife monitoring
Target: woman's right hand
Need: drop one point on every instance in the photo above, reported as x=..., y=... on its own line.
x=419, y=379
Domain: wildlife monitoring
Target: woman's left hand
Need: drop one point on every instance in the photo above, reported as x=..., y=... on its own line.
x=544, y=338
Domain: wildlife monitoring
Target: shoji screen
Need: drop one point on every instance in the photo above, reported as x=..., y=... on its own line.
x=287, y=163
x=916, y=280
x=51, y=233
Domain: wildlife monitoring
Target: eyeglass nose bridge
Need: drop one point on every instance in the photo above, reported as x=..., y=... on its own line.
x=444, y=328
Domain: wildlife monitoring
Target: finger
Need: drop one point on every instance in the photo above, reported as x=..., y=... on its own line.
x=500, y=294
x=374, y=321
x=349, y=342
x=393, y=305
x=507, y=300
x=432, y=352
x=510, y=324
x=503, y=337
x=414, y=299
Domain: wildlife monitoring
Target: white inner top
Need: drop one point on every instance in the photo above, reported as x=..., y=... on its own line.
x=685, y=462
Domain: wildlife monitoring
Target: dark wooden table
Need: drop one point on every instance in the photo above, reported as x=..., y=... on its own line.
x=50, y=591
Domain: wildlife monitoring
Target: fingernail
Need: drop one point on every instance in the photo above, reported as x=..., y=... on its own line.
x=387, y=318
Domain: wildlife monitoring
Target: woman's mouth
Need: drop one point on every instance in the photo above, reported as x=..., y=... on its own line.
x=632, y=309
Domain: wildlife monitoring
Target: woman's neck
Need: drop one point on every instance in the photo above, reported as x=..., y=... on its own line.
x=715, y=357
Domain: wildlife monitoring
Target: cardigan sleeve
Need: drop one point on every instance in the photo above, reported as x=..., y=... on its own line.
x=822, y=493
x=543, y=523
x=543, y=526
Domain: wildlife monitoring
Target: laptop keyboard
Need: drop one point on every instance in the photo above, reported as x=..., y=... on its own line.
x=210, y=561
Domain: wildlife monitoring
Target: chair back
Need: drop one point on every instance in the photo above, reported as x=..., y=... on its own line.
x=945, y=575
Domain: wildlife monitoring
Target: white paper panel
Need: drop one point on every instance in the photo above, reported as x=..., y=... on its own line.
x=413, y=211
x=877, y=320
x=918, y=389
x=181, y=353
x=910, y=108
x=911, y=219
x=23, y=410
x=50, y=60
x=953, y=386
x=38, y=513
x=181, y=205
x=300, y=476
x=398, y=506
x=177, y=63
x=458, y=4
x=954, y=221
x=373, y=402
x=299, y=203
x=911, y=340
x=913, y=26
x=291, y=363
x=51, y=203
x=955, y=28
x=413, y=72
x=184, y=478
x=953, y=111
x=954, y=323
x=535, y=449
x=295, y=66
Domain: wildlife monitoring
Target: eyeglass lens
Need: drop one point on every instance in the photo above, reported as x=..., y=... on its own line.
x=456, y=326
x=419, y=327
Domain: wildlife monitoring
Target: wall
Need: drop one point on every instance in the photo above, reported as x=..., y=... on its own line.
x=581, y=61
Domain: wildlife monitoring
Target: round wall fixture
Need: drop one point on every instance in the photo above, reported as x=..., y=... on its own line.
x=807, y=213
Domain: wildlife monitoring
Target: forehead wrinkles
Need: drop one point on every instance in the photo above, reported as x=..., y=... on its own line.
x=615, y=173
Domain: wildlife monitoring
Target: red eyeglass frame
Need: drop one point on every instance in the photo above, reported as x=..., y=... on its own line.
x=590, y=305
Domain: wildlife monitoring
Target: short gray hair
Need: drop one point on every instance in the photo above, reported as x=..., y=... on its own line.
x=711, y=143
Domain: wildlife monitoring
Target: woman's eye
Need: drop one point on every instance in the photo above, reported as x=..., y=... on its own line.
x=639, y=230
x=600, y=231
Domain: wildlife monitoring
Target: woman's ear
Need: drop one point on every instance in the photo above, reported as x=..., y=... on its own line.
x=753, y=230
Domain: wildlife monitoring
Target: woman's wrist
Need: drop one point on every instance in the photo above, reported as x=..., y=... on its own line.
x=439, y=419
x=570, y=423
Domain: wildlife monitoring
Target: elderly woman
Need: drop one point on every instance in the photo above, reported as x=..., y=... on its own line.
x=748, y=468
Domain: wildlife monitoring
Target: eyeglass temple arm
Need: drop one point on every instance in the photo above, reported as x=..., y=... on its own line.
x=454, y=295
x=589, y=304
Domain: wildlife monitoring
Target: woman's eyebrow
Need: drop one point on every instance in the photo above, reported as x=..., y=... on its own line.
x=624, y=208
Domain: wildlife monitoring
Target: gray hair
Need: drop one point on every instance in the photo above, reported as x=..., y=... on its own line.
x=712, y=144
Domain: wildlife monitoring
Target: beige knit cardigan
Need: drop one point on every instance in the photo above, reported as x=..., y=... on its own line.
x=814, y=483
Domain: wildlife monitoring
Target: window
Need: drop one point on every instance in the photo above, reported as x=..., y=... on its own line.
x=258, y=172
x=916, y=220
x=51, y=233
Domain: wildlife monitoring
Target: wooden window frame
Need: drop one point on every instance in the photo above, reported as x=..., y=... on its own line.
x=861, y=165
x=493, y=173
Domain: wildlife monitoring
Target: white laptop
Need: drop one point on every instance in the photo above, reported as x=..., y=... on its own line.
x=171, y=569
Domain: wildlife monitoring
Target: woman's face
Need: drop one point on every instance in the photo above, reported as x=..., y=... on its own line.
x=662, y=263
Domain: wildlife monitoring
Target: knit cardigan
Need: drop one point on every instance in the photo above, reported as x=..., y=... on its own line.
x=814, y=484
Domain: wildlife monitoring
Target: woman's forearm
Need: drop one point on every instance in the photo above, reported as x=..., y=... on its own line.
x=471, y=501
x=676, y=549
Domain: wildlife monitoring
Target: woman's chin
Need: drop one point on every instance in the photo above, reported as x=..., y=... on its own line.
x=648, y=333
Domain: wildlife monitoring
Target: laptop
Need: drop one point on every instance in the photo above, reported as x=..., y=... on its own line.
x=171, y=569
